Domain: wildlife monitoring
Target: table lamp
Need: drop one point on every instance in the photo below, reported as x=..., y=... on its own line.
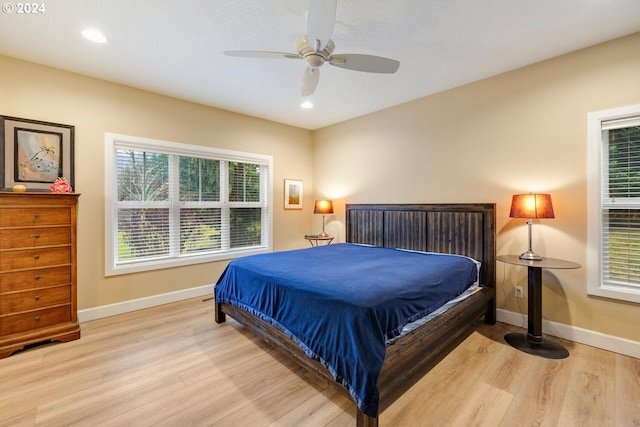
x=531, y=206
x=323, y=207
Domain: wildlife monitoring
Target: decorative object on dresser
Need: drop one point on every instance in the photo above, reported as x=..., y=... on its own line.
x=61, y=186
x=35, y=153
x=531, y=206
x=37, y=269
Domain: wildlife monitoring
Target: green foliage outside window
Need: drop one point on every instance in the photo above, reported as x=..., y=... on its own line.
x=145, y=231
x=623, y=246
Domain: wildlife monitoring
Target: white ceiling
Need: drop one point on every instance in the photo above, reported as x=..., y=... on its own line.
x=175, y=47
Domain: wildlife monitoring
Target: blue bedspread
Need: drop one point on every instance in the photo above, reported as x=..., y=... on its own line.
x=341, y=302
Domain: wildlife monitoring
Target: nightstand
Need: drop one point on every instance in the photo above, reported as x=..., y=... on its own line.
x=314, y=239
x=532, y=342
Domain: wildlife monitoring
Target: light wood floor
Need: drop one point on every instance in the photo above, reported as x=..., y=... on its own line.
x=173, y=366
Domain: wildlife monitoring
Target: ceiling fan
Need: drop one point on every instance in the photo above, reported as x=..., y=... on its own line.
x=316, y=48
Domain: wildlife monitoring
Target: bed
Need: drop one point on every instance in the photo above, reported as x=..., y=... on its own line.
x=462, y=229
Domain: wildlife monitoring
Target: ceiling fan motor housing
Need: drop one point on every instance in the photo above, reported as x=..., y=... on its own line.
x=314, y=58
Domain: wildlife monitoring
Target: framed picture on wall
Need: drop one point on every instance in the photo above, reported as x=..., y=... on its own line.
x=35, y=153
x=292, y=194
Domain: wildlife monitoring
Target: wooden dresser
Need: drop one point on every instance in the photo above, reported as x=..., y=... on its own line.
x=37, y=269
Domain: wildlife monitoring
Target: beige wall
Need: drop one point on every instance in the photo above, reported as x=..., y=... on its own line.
x=95, y=107
x=522, y=131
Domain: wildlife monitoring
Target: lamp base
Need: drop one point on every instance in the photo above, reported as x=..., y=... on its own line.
x=545, y=348
x=530, y=256
x=323, y=234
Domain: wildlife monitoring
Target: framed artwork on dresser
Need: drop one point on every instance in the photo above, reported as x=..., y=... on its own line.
x=35, y=153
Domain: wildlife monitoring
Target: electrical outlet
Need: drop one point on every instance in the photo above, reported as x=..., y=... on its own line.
x=517, y=290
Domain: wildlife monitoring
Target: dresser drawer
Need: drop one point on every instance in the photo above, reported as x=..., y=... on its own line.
x=34, y=319
x=34, y=258
x=33, y=300
x=32, y=279
x=12, y=238
x=33, y=216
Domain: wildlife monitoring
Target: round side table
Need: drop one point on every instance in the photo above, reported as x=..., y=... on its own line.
x=533, y=342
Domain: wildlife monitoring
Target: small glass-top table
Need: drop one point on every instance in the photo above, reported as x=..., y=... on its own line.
x=315, y=239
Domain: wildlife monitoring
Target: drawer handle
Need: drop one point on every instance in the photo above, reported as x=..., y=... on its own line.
x=36, y=216
x=36, y=256
x=36, y=236
x=36, y=277
x=37, y=318
x=37, y=297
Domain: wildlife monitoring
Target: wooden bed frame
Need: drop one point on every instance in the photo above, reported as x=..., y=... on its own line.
x=465, y=229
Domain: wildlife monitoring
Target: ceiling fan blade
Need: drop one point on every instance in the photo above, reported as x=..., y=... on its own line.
x=366, y=63
x=310, y=80
x=261, y=54
x=320, y=22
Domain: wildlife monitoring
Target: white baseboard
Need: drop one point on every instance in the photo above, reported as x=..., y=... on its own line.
x=138, y=304
x=573, y=333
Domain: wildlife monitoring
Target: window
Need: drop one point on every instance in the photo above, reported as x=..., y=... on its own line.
x=614, y=203
x=170, y=204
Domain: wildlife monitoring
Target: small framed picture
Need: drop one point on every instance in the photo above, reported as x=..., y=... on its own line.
x=292, y=194
x=35, y=153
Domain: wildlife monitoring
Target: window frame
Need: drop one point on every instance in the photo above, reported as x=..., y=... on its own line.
x=597, y=151
x=113, y=141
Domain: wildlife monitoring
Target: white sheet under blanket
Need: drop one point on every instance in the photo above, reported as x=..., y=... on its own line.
x=414, y=325
x=475, y=287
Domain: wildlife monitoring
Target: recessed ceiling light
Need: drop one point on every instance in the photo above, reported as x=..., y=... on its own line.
x=94, y=35
x=306, y=105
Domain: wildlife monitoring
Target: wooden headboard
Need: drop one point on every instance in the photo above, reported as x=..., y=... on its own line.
x=455, y=228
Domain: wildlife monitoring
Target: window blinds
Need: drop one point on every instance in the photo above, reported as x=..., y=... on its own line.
x=169, y=206
x=621, y=203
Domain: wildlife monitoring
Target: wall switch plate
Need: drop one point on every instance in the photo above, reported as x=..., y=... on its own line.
x=517, y=290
